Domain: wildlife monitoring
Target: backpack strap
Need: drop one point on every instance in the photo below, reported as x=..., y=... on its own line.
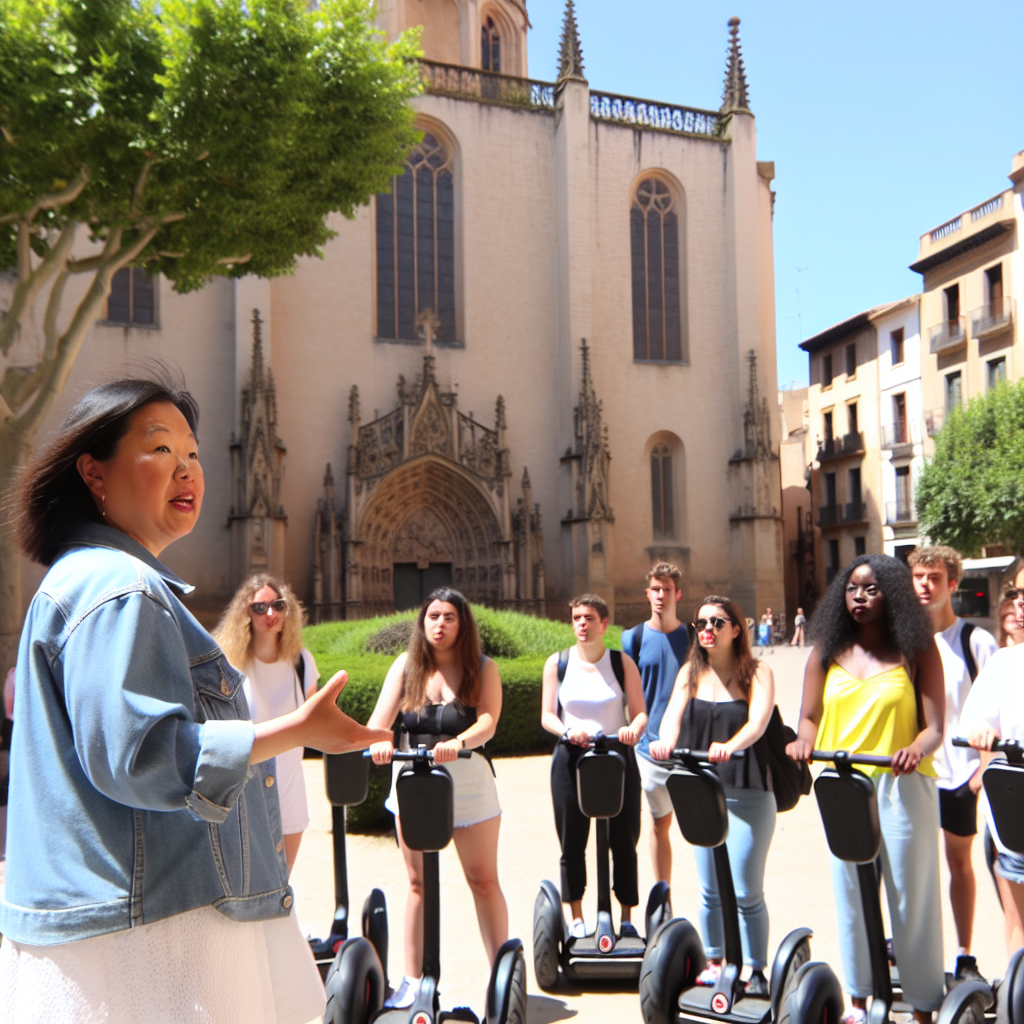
x=618, y=668
x=300, y=687
x=965, y=645
x=638, y=641
x=563, y=663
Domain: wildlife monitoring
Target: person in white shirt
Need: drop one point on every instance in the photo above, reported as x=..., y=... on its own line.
x=995, y=710
x=964, y=648
x=261, y=634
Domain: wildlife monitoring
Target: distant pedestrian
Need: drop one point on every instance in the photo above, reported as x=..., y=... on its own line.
x=1009, y=632
x=799, y=625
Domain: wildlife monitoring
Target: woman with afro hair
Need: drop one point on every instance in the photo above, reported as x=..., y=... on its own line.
x=874, y=685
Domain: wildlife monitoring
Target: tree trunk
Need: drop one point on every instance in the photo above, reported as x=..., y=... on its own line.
x=13, y=448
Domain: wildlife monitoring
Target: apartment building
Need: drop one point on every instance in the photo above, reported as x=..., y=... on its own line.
x=973, y=276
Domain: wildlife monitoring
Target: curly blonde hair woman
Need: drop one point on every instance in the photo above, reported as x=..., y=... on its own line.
x=261, y=634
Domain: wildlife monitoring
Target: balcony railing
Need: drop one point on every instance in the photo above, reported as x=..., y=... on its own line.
x=605, y=106
x=897, y=512
x=995, y=203
x=949, y=334
x=933, y=421
x=991, y=319
x=851, y=512
x=947, y=229
x=828, y=515
x=486, y=86
x=838, y=447
x=894, y=435
x=855, y=512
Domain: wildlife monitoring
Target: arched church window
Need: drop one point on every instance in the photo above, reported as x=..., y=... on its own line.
x=663, y=518
x=654, y=239
x=490, y=46
x=416, y=245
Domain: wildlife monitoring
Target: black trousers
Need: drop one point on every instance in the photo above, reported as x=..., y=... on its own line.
x=573, y=827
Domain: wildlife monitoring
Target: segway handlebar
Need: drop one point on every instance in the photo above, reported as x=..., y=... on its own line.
x=1006, y=746
x=846, y=757
x=418, y=753
x=691, y=754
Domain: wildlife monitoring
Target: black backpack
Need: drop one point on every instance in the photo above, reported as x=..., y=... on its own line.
x=620, y=672
x=790, y=779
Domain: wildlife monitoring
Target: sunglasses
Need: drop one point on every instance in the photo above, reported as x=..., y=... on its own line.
x=1012, y=594
x=714, y=623
x=262, y=607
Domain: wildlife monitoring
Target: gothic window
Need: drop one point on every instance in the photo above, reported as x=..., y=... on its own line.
x=663, y=520
x=416, y=245
x=490, y=46
x=654, y=236
x=132, y=298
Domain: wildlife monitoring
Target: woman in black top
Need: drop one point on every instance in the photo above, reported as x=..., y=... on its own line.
x=722, y=702
x=446, y=695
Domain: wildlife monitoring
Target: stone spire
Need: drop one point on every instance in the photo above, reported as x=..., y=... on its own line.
x=734, y=95
x=570, y=54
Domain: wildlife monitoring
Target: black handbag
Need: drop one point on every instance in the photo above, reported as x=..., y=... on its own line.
x=789, y=779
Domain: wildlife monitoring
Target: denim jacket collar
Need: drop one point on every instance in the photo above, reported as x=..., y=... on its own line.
x=98, y=535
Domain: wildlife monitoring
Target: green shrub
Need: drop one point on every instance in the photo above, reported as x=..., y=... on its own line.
x=391, y=639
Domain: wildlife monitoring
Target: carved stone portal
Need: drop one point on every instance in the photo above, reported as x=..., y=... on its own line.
x=257, y=520
x=427, y=488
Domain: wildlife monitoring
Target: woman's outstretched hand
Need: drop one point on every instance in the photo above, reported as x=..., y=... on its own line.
x=800, y=750
x=326, y=727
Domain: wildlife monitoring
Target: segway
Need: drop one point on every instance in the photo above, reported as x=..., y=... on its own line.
x=600, y=789
x=357, y=983
x=801, y=991
x=346, y=780
x=971, y=1002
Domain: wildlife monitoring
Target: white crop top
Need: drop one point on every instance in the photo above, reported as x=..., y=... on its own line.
x=591, y=697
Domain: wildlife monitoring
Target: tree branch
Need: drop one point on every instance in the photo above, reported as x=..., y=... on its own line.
x=66, y=195
x=140, y=187
x=231, y=260
x=53, y=304
x=29, y=285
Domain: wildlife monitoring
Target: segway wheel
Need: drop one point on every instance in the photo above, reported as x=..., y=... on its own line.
x=375, y=926
x=816, y=997
x=506, y=992
x=793, y=952
x=354, y=984
x=547, y=937
x=966, y=1003
x=673, y=959
x=659, y=909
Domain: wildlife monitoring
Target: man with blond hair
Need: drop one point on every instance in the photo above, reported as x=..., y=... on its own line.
x=658, y=646
x=964, y=648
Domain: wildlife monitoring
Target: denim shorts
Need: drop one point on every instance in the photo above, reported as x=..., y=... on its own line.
x=1010, y=866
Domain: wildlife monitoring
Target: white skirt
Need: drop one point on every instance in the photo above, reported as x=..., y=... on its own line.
x=476, y=795
x=194, y=968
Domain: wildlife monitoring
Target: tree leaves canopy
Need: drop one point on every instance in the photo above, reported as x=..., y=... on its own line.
x=971, y=493
x=235, y=126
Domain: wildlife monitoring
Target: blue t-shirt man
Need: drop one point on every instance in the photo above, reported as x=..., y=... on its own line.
x=659, y=647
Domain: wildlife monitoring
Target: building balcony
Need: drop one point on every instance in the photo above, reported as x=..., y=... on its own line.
x=855, y=512
x=933, y=421
x=899, y=513
x=989, y=320
x=896, y=435
x=840, y=447
x=948, y=335
x=838, y=515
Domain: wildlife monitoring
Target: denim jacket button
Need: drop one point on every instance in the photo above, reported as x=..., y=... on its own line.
x=269, y=781
x=287, y=902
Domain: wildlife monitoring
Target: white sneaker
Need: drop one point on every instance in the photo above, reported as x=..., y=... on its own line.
x=404, y=995
x=578, y=929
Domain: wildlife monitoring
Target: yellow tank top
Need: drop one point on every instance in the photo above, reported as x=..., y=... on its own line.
x=870, y=716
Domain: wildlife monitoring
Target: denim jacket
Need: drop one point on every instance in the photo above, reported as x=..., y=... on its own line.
x=131, y=794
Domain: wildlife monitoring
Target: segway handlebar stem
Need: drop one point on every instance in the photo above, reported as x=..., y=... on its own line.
x=418, y=754
x=689, y=754
x=844, y=758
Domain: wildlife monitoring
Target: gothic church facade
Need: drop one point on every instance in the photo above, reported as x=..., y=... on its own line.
x=537, y=364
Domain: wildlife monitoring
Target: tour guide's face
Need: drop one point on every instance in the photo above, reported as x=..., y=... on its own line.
x=587, y=624
x=152, y=486
x=441, y=624
x=864, y=598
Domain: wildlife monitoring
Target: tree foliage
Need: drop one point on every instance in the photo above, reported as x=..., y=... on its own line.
x=194, y=137
x=971, y=493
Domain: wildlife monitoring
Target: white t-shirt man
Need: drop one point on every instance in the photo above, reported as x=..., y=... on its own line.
x=955, y=765
x=997, y=700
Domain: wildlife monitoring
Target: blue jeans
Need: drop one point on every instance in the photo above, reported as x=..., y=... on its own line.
x=751, y=826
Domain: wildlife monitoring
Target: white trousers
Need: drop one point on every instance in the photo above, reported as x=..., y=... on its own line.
x=908, y=811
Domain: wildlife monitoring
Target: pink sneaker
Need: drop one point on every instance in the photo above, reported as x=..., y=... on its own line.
x=710, y=975
x=854, y=1015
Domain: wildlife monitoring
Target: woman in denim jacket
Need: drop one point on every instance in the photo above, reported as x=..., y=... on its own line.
x=146, y=878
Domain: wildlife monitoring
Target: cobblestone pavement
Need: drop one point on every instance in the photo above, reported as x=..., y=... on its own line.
x=797, y=886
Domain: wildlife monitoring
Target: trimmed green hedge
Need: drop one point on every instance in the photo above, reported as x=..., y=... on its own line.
x=520, y=644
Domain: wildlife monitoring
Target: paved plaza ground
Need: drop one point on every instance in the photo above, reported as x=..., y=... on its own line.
x=797, y=886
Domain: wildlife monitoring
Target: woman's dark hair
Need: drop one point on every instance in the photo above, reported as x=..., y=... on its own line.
x=697, y=657
x=420, y=662
x=51, y=496
x=907, y=625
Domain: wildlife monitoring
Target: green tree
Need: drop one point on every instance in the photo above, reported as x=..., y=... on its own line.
x=192, y=137
x=971, y=493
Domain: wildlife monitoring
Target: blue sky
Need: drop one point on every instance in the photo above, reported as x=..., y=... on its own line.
x=884, y=120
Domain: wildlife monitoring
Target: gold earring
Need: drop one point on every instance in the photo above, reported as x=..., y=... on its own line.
x=103, y=510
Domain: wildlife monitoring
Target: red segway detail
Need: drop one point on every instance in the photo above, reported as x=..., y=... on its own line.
x=719, y=1002
x=421, y=1018
x=605, y=943
x=337, y=945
